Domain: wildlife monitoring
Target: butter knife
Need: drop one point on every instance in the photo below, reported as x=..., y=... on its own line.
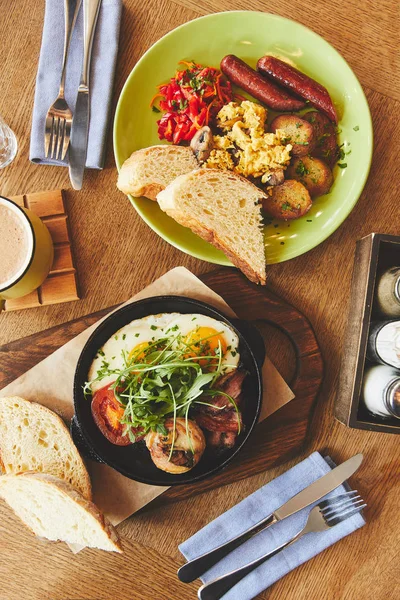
x=80, y=124
x=314, y=492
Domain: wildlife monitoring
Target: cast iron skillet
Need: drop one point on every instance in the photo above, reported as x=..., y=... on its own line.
x=134, y=461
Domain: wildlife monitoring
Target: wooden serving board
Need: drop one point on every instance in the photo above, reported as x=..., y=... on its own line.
x=276, y=439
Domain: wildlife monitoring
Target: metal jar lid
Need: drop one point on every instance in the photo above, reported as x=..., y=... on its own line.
x=392, y=397
x=397, y=289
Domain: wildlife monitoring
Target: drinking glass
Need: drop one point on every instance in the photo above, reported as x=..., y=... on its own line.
x=8, y=144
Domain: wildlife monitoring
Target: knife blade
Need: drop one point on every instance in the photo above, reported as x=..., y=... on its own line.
x=319, y=488
x=80, y=122
x=79, y=139
x=314, y=492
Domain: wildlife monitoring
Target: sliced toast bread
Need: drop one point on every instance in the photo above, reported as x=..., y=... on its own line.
x=53, y=509
x=148, y=171
x=33, y=438
x=225, y=210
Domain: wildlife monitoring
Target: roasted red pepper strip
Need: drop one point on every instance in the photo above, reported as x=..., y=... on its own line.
x=190, y=100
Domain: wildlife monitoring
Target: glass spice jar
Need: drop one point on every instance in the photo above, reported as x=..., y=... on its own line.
x=381, y=391
x=387, y=294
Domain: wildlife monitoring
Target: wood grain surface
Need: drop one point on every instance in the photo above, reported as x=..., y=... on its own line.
x=276, y=439
x=117, y=254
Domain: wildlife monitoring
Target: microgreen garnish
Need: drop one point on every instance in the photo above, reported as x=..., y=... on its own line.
x=164, y=380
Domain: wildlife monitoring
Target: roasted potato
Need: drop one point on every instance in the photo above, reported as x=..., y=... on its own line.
x=325, y=140
x=298, y=132
x=313, y=173
x=288, y=201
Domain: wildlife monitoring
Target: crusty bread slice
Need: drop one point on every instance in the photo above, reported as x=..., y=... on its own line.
x=224, y=209
x=148, y=171
x=53, y=509
x=33, y=438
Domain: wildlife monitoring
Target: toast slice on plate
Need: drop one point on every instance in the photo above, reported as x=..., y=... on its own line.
x=148, y=171
x=34, y=438
x=53, y=509
x=225, y=210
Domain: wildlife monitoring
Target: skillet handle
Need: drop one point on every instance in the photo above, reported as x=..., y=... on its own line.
x=80, y=441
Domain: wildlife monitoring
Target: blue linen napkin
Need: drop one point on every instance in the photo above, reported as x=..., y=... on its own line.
x=254, y=508
x=104, y=56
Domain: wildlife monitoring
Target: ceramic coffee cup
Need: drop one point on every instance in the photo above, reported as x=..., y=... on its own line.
x=26, y=251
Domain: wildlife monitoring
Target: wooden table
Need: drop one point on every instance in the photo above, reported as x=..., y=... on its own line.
x=362, y=566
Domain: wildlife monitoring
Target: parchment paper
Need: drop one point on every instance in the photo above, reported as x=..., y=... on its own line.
x=50, y=383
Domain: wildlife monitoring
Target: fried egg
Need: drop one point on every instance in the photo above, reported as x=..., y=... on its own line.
x=203, y=336
x=195, y=333
x=128, y=342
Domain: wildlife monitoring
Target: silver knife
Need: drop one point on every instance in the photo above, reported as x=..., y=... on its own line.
x=80, y=123
x=314, y=492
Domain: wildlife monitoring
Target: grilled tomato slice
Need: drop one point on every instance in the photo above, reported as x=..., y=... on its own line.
x=107, y=414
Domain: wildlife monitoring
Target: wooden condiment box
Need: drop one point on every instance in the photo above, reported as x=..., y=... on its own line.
x=374, y=254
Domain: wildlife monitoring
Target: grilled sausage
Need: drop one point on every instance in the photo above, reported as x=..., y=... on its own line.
x=255, y=84
x=298, y=83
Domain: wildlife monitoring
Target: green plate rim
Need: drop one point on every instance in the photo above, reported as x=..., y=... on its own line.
x=370, y=134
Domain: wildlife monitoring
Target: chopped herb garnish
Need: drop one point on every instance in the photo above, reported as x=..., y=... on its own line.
x=153, y=327
x=309, y=220
x=282, y=243
x=137, y=334
x=124, y=336
x=301, y=169
x=356, y=128
x=164, y=379
x=155, y=109
x=342, y=165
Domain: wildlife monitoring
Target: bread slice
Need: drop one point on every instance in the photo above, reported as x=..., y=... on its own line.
x=224, y=209
x=33, y=438
x=53, y=509
x=148, y=171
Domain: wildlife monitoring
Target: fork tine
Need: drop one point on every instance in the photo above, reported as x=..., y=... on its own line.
x=67, y=135
x=336, y=510
x=47, y=135
x=337, y=499
x=56, y=123
x=60, y=138
x=346, y=515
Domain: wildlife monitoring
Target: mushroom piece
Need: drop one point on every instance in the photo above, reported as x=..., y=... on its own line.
x=174, y=452
x=276, y=178
x=202, y=143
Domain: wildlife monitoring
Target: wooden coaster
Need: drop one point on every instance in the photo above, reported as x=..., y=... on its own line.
x=61, y=283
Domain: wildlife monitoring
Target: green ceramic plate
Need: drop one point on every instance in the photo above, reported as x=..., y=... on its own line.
x=250, y=35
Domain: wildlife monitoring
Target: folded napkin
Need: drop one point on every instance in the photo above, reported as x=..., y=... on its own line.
x=254, y=508
x=104, y=56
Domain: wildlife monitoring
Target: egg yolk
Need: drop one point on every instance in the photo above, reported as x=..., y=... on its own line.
x=137, y=354
x=205, y=341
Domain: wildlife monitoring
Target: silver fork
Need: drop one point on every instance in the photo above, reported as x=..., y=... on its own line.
x=323, y=516
x=59, y=116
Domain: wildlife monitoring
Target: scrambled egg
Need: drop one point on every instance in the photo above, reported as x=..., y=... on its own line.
x=245, y=147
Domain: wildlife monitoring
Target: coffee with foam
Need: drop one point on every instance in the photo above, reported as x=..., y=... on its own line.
x=15, y=244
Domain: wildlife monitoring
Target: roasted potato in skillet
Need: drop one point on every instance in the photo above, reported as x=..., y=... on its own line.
x=298, y=132
x=313, y=173
x=325, y=140
x=288, y=201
